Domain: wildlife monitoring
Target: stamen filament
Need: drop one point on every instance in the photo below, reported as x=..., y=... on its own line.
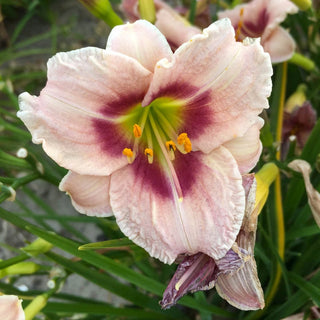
x=141, y=125
x=166, y=125
x=149, y=141
x=144, y=117
x=174, y=181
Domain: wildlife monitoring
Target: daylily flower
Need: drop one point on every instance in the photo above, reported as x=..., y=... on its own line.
x=159, y=139
x=298, y=123
x=172, y=25
x=261, y=19
x=313, y=195
x=299, y=118
x=10, y=308
x=235, y=275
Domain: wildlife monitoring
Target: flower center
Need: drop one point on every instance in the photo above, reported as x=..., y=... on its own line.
x=154, y=131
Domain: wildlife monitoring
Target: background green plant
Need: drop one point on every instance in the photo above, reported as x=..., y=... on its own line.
x=117, y=265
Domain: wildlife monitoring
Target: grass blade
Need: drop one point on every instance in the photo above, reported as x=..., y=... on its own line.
x=94, y=308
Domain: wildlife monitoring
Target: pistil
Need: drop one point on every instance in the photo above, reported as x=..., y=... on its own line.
x=240, y=24
x=175, y=180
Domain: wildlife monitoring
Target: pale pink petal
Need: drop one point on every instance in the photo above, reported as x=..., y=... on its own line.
x=278, y=11
x=76, y=116
x=247, y=236
x=10, y=308
x=89, y=194
x=279, y=44
x=148, y=209
x=222, y=83
x=313, y=195
x=247, y=149
x=242, y=288
x=141, y=41
x=176, y=29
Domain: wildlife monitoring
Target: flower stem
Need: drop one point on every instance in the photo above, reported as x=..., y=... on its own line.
x=18, y=183
x=278, y=194
x=281, y=107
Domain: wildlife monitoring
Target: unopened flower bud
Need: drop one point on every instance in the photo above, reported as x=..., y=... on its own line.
x=302, y=4
x=27, y=267
x=264, y=177
x=102, y=9
x=296, y=99
x=36, y=306
x=147, y=10
x=37, y=247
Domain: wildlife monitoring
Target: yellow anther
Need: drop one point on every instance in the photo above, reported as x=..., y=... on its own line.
x=170, y=145
x=184, y=140
x=187, y=145
x=137, y=131
x=148, y=152
x=182, y=137
x=127, y=152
